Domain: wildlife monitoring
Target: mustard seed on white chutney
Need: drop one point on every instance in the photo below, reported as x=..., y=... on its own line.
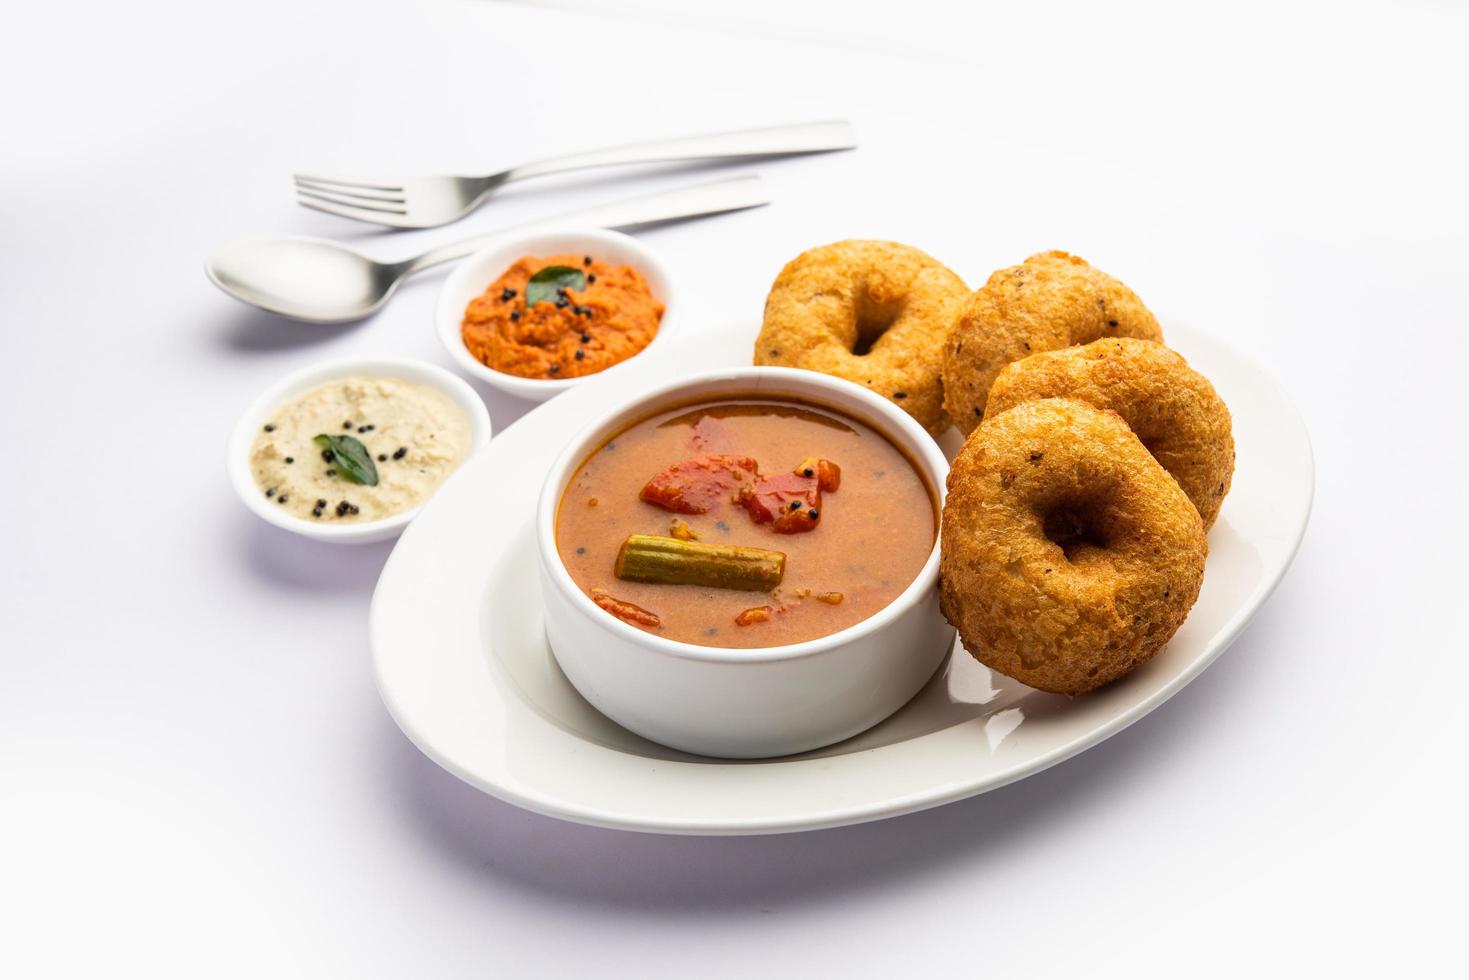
x=415, y=436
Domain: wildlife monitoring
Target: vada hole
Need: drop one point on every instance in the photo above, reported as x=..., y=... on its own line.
x=1074, y=529
x=873, y=320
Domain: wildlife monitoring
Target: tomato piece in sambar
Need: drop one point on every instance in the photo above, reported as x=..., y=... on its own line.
x=694, y=485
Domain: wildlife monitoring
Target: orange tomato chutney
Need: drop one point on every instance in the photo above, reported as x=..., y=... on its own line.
x=849, y=551
x=576, y=331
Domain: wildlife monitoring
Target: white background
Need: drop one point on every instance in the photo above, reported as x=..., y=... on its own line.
x=196, y=776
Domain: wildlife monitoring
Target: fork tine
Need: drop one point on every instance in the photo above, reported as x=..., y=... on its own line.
x=344, y=194
x=367, y=185
x=336, y=209
x=356, y=214
x=359, y=204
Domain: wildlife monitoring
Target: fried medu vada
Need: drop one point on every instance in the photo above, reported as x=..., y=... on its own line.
x=1050, y=300
x=1069, y=555
x=871, y=312
x=1169, y=406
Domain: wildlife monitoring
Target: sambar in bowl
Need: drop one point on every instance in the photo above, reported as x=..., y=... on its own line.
x=745, y=563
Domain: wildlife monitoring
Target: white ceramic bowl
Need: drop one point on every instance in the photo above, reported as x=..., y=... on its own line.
x=739, y=703
x=260, y=410
x=470, y=278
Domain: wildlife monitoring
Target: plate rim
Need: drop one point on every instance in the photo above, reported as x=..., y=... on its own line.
x=517, y=792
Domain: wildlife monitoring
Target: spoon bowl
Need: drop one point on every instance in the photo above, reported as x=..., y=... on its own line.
x=309, y=279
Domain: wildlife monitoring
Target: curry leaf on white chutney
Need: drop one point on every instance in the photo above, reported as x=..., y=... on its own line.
x=350, y=457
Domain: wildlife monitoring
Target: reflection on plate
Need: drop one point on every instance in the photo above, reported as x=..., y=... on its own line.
x=463, y=665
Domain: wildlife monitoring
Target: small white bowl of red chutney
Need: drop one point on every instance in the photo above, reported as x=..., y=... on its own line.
x=744, y=563
x=537, y=313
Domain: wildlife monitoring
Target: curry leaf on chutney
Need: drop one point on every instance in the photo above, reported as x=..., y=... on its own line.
x=546, y=284
x=351, y=458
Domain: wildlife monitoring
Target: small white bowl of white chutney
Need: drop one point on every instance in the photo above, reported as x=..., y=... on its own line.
x=348, y=451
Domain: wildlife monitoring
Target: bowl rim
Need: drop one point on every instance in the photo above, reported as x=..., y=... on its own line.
x=242, y=437
x=897, y=426
x=449, y=308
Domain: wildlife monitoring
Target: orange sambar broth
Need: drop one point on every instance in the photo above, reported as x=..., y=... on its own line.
x=875, y=534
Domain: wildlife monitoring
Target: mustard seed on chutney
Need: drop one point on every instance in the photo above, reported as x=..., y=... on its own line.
x=562, y=316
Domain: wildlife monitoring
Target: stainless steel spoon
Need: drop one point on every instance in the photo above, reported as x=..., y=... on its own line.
x=322, y=281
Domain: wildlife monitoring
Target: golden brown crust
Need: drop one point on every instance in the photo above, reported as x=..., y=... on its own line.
x=892, y=302
x=1069, y=556
x=1169, y=406
x=1049, y=301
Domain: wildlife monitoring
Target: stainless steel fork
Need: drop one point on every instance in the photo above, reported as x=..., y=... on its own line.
x=423, y=202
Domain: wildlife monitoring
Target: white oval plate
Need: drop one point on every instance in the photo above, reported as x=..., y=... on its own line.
x=463, y=665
